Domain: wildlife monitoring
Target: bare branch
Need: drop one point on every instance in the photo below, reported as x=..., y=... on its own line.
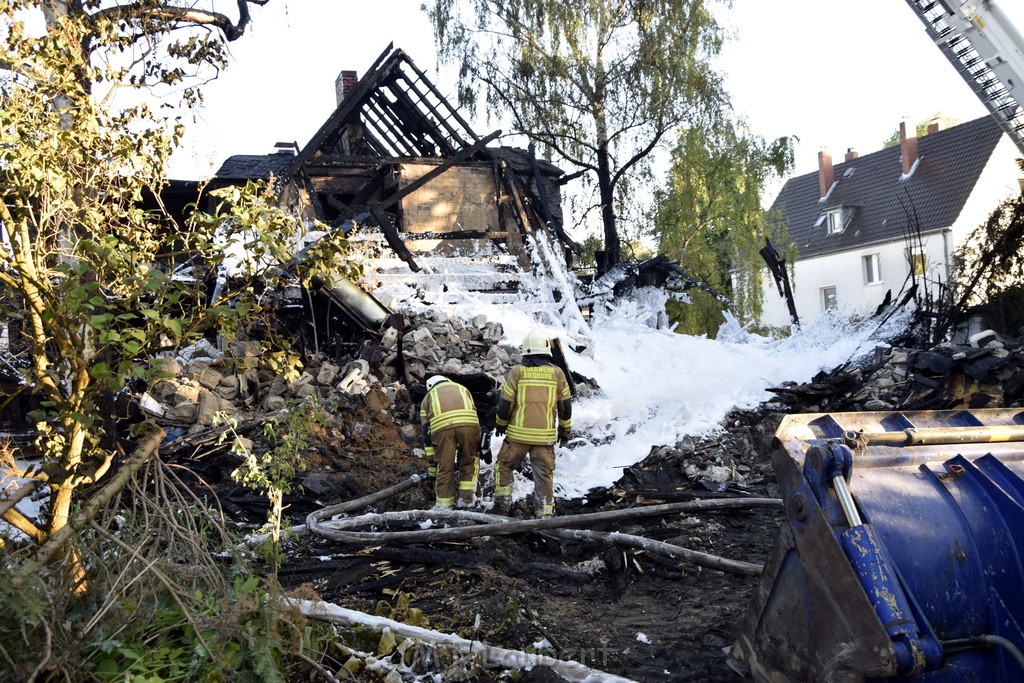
x=189, y=15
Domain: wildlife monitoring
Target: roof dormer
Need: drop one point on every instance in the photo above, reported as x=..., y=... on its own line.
x=835, y=219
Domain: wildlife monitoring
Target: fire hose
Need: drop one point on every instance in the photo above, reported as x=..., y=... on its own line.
x=344, y=530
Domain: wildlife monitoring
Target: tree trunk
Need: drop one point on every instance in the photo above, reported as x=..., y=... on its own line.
x=612, y=246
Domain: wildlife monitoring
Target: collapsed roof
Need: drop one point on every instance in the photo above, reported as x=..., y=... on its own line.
x=397, y=169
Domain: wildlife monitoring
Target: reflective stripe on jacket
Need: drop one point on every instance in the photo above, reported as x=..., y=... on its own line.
x=448, y=404
x=537, y=395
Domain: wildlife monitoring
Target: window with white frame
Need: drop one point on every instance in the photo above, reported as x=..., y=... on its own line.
x=872, y=269
x=829, y=299
x=834, y=220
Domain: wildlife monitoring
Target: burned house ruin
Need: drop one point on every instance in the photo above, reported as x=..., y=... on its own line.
x=430, y=208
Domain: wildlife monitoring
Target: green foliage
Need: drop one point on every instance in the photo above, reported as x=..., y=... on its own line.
x=587, y=262
x=159, y=606
x=709, y=218
x=273, y=471
x=989, y=271
x=596, y=84
x=88, y=294
x=220, y=638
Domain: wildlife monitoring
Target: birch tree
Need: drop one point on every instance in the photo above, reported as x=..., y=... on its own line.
x=709, y=217
x=597, y=84
x=87, y=297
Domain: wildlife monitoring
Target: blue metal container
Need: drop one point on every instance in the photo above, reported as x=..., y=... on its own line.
x=902, y=555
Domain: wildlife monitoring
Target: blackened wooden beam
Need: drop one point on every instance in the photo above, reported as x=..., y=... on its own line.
x=519, y=204
x=331, y=129
x=437, y=93
x=412, y=123
x=442, y=117
x=545, y=205
x=364, y=193
x=393, y=146
x=394, y=240
x=314, y=199
x=432, y=131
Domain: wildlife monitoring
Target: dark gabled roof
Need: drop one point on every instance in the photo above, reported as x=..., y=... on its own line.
x=884, y=205
x=253, y=166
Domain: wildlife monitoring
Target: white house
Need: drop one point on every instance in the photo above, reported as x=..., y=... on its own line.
x=860, y=226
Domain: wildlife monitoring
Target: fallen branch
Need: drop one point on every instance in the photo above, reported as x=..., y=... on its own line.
x=490, y=656
x=365, y=501
x=660, y=547
x=19, y=495
x=50, y=548
x=495, y=525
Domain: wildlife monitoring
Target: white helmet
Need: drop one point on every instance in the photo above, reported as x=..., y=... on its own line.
x=535, y=343
x=435, y=380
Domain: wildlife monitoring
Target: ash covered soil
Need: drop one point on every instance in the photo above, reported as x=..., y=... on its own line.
x=622, y=611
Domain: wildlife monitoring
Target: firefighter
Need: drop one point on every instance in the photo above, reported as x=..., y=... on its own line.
x=451, y=437
x=534, y=411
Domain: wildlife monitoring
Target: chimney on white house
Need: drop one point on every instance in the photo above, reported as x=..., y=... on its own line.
x=344, y=84
x=908, y=147
x=826, y=174
x=851, y=154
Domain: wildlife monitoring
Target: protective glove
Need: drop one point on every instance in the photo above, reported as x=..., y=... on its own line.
x=499, y=430
x=563, y=437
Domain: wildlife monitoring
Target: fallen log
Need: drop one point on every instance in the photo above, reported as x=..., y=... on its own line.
x=490, y=656
x=493, y=525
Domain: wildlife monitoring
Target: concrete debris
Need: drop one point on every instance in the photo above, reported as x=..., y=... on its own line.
x=205, y=381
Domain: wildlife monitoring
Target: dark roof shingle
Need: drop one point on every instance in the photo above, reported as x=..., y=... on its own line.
x=885, y=205
x=253, y=166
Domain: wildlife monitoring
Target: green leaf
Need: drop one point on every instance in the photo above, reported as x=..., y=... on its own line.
x=99, y=371
x=173, y=326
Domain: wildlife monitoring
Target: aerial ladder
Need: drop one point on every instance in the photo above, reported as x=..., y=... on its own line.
x=986, y=49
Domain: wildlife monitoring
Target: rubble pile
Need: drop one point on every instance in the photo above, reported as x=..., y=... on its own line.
x=987, y=373
x=203, y=380
x=439, y=343
x=732, y=461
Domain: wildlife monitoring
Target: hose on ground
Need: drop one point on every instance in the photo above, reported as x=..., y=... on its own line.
x=567, y=527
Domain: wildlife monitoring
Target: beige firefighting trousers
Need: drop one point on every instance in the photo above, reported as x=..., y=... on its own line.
x=455, y=448
x=542, y=461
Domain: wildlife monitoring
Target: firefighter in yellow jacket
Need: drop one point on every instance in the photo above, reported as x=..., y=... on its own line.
x=534, y=411
x=451, y=437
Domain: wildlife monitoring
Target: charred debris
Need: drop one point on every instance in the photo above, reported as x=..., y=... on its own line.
x=431, y=210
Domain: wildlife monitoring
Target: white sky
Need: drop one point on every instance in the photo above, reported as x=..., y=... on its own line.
x=835, y=73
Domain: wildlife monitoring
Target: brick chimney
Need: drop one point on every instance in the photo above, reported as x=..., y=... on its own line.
x=826, y=174
x=908, y=147
x=344, y=84
x=851, y=154
x=934, y=126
